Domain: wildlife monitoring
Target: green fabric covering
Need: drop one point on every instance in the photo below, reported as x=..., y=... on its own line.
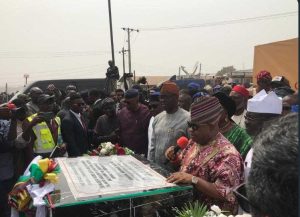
x=57, y=169
x=23, y=178
x=36, y=172
x=240, y=139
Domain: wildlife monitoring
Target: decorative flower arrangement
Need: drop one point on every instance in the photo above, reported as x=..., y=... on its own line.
x=40, y=174
x=200, y=210
x=107, y=149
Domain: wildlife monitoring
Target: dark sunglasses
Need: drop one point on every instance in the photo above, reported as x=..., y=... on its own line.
x=194, y=126
x=79, y=104
x=250, y=118
x=287, y=108
x=241, y=195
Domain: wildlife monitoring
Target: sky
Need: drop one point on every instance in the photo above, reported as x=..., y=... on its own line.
x=53, y=39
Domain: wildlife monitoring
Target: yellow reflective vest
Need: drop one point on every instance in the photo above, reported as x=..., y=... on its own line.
x=44, y=142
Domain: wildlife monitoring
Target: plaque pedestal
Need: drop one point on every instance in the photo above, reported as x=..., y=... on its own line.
x=125, y=186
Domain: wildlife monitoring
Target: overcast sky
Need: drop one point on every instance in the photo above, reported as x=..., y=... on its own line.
x=51, y=39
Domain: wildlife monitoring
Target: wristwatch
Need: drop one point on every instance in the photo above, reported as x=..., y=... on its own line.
x=195, y=180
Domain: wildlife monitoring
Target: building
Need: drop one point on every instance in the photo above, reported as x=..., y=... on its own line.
x=241, y=76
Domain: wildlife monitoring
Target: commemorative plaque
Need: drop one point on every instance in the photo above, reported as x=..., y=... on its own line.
x=92, y=177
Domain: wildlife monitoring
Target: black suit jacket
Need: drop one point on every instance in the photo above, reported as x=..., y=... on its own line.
x=74, y=135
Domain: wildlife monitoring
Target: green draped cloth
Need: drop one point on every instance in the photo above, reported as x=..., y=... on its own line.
x=240, y=139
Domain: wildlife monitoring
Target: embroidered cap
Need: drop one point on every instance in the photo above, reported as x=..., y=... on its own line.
x=264, y=75
x=169, y=87
x=206, y=110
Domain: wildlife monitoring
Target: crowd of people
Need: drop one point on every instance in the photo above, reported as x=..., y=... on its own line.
x=236, y=138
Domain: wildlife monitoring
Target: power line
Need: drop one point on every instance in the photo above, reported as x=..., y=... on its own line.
x=66, y=71
x=29, y=55
x=133, y=41
x=226, y=22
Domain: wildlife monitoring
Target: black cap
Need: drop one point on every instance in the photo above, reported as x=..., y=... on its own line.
x=43, y=98
x=132, y=93
x=227, y=103
x=283, y=91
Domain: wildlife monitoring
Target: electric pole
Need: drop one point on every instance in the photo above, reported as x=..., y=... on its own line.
x=124, y=74
x=26, y=76
x=129, y=50
x=6, y=92
x=111, y=34
x=123, y=51
x=200, y=70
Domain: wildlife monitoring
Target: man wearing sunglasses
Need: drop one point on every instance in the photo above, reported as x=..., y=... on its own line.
x=42, y=130
x=209, y=162
x=74, y=128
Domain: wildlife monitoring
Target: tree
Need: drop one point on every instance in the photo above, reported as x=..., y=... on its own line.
x=226, y=70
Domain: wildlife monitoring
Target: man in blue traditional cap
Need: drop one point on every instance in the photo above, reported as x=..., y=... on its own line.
x=155, y=108
x=193, y=88
x=134, y=121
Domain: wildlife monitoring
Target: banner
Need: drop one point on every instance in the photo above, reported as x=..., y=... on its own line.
x=90, y=177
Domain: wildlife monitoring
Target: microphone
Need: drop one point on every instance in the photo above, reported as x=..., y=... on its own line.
x=181, y=144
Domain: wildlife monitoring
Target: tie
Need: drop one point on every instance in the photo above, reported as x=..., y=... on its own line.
x=82, y=123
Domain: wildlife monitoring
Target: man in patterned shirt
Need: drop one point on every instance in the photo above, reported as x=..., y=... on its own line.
x=209, y=161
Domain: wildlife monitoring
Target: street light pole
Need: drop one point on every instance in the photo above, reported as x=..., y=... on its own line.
x=111, y=34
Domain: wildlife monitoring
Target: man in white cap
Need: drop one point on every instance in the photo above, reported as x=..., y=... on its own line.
x=261, y=109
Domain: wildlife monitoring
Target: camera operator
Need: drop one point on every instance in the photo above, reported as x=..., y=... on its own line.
x=8, y=133
x=42, y=131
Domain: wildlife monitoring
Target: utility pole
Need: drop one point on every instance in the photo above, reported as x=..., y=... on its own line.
x=200, y=71
x=124, y=74
x=26, y=76
x=6, y=92
x=129, y=50
x=123, y=51
x=111, y=34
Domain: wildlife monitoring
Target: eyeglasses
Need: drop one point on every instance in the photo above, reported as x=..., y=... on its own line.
x=194, y=126
x=79, y=104
x=287, y=108
x=241, y=195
